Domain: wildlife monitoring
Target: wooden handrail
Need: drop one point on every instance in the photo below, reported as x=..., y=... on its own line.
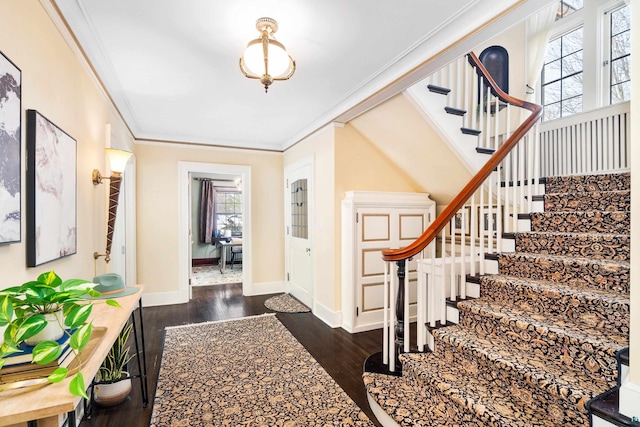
x=441, y=221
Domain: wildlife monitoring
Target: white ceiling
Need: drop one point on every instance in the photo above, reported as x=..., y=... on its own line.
x=171, y=66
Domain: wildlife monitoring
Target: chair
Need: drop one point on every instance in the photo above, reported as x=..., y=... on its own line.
x=235, y=250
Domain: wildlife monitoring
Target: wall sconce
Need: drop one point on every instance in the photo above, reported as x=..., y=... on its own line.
x=118, y=161
x=265, y=58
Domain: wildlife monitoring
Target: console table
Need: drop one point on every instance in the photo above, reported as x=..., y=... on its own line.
x=45, y=405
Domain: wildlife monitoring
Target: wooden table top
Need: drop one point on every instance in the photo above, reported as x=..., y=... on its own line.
x=46, y=402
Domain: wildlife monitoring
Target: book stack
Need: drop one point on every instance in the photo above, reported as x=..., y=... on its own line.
x=19, y=367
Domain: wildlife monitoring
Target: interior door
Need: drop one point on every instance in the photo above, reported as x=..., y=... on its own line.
x=298, y=238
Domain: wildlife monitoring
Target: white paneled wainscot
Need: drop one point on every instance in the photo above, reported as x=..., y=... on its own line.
x=371, y=222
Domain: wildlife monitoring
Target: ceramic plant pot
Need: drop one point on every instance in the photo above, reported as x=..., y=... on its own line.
x=53, y=331
x=109, y=394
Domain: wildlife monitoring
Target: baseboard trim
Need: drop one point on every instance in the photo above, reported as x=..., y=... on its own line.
x=263, y=288
x=197, y=262
x=164, y=298
x=330, y=317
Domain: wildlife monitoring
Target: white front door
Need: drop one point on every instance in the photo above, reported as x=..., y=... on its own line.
x=298, y=238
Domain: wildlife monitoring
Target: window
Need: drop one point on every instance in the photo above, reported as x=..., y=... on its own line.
x=567, y=7
x=229, y=213
x=299, y=213
x=620, y=55
x=588, y=59
x=562, y=76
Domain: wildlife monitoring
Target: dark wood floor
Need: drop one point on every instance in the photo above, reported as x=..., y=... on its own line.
x=341, y=354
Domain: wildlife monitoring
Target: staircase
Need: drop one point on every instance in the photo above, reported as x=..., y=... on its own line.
x=542, y=339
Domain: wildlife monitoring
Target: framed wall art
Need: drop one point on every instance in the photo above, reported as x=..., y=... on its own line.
x=488, y=224
x=10, y=152
x=462, y=218
x=51, y=191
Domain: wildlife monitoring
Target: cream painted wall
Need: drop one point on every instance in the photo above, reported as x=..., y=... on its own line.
x=361, y=166
x=157, y=206
x=320, y=146
x=397, y=129
x=57, y=84
x=344, y=160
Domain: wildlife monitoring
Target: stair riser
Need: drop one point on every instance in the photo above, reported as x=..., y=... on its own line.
x=598, y=363
x=577, y=273
x=535, y=397
x=611, y=247
x=594, y=313
x=605, y=182
x=614, y=201
x=581, y=222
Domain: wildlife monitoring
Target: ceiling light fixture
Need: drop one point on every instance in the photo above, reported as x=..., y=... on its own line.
x=265, y=58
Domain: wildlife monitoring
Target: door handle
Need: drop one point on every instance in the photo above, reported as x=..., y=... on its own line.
x=308, y=250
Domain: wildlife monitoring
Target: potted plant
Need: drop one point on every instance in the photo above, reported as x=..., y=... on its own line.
x=48, y=302
x=113, y=383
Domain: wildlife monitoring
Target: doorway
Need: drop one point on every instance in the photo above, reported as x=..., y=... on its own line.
x=186, y=233
x=217, y=229
x=299, y=231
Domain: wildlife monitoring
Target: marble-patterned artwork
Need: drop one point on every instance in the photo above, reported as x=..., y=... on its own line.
x=52, y=205
x=10, y=131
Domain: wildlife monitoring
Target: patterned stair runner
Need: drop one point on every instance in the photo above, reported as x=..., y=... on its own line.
x=541, y=340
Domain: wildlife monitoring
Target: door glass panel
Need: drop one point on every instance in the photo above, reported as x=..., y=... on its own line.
x=299, y=209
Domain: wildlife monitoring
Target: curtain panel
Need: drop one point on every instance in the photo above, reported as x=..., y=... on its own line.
x=207, y=211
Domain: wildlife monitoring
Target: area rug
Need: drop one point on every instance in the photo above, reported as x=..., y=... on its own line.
x=285, y=303
x=210, y=275
x=246, y=372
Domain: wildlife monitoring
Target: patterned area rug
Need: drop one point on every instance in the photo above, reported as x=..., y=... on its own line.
x=285, y=303
x=246, y=372
x=210, y=275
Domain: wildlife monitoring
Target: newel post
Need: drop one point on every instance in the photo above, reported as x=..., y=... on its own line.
x=399, y=331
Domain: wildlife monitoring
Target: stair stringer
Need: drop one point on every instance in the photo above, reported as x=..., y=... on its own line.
x=447, y=126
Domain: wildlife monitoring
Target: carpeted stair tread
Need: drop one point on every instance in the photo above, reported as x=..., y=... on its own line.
x=579, y=272
x=555, y=338
x=581, y=222
x=614, y=201
x=445, y=404
x=581, y=183
x=490, y=356
x=599, y=246
x=542, y=339
x=409, y=407
x=595, y=308
x=482, y=386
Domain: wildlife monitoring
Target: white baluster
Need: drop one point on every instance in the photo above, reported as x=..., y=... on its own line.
x=386, y=312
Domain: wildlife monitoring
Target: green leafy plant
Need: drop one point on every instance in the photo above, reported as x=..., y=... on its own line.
x=23, y=309
x=117, y=359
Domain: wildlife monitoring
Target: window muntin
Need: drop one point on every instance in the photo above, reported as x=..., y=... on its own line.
x=562, y=76
x=229, y=213
x=620, y=55
x=567, y=7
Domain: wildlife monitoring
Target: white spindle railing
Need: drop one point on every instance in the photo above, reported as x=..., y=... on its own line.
x=592, y=142
x=476, y=229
